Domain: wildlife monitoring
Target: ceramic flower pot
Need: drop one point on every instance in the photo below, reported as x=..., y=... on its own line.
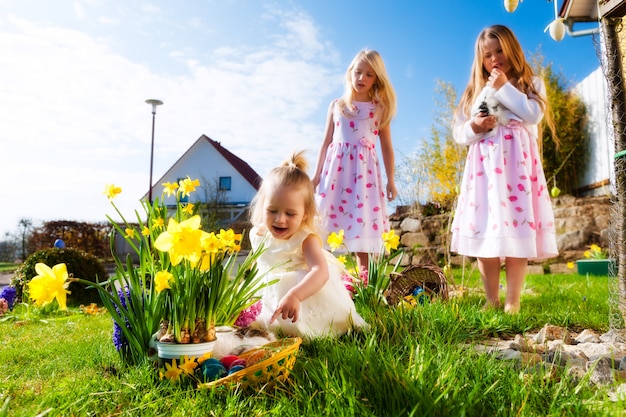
x=594, y=266
x=169, y=351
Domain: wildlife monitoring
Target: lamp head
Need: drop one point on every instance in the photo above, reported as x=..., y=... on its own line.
x=154, y=103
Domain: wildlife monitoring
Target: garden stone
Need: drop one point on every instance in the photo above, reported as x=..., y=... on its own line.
x=587, y=336
x=411, y=225
x=553, y=333
x=601, y=372
x=577, y=373
x=509, y=355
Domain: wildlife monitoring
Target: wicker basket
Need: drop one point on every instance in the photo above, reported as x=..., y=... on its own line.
x=430, y=277
x=269, y=371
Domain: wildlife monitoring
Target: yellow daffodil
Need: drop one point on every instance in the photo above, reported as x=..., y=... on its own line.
x=188, y=365
x=342, y=259
x=172, y=371
x=595, y=252
x=158, y=223
x=188, y=208
x=162, y=280
x=188, y=186
x=335, y=240
x=229, y=239
x=570, y=265
x=182, y=240
x=145, y=231
x=130, y=233
x=50, y=283
x=391, y=240
x=170, y=188
x=111, y=190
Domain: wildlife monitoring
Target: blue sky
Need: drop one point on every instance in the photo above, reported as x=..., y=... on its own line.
x=252, y=74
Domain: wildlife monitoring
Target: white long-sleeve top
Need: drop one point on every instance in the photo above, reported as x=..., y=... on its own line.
x=519, y=106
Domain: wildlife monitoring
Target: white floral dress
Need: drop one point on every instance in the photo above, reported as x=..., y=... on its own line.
x=329, y=312
x=504, y=207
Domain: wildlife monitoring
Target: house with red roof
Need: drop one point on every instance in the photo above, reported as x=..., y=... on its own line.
x=224, y=178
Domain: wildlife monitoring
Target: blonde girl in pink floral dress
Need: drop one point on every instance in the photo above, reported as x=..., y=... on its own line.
x=504, y=210
x=351, y=195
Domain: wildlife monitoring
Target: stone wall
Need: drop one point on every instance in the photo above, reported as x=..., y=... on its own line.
x=579, y=223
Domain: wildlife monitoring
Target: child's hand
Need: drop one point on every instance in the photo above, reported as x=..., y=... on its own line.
x=482, y=123
x=288, y=308
x=497, y=78
x=392, y=191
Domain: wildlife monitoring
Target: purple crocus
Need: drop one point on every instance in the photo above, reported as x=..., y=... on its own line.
x=8, y=293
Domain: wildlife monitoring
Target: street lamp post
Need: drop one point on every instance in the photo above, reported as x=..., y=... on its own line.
x=154, y=104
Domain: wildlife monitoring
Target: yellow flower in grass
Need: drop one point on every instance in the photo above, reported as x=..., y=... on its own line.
x=170, y=188
x=145, y=231
x=182, y=240
x=172, y=371
x=49, y=284
x=391, y=240
x=335, y=240
x=162, y=280
x=111, y=191
x=188, y=186
x=188, y=365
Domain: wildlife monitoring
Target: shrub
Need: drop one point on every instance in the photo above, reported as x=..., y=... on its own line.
x=79, y=265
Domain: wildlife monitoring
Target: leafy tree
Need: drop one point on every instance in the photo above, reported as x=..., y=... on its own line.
x=431, y=174
x=564, y=156
x=92, y=238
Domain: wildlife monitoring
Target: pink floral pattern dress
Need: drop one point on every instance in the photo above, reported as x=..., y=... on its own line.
x=504, y=207
x=351, y=193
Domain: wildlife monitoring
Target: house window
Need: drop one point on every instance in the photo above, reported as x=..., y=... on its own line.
x=225, y=183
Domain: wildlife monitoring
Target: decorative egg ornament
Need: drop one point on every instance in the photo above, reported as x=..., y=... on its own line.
x=555, y=192
x=510, y=5
x=557, y=29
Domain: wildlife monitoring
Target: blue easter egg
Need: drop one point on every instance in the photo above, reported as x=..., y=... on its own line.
x=59, y=244
x=212, y=369
x=235, y=368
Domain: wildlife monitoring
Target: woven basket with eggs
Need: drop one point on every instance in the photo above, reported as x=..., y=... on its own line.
x=266, y=365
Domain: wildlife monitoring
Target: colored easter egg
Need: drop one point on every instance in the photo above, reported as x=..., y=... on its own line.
x=235, y=368
x=59, y=244
x=239, y=362
x=257, y=357
x=212, y=369
x=228, y=360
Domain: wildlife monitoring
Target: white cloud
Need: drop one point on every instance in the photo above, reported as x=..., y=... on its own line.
x=76, y=118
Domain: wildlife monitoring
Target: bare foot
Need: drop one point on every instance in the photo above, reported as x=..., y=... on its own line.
x=511, y=308
x=489, y=305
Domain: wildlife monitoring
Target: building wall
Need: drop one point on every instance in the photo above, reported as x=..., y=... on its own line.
x=593, y=92
x=204, y=163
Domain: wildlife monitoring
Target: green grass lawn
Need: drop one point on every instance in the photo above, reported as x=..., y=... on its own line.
x=8, y=266
x=413, y=362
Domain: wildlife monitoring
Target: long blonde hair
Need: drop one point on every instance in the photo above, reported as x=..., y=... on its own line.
x=382, y=91
x=291, y=173
x=521, y=73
